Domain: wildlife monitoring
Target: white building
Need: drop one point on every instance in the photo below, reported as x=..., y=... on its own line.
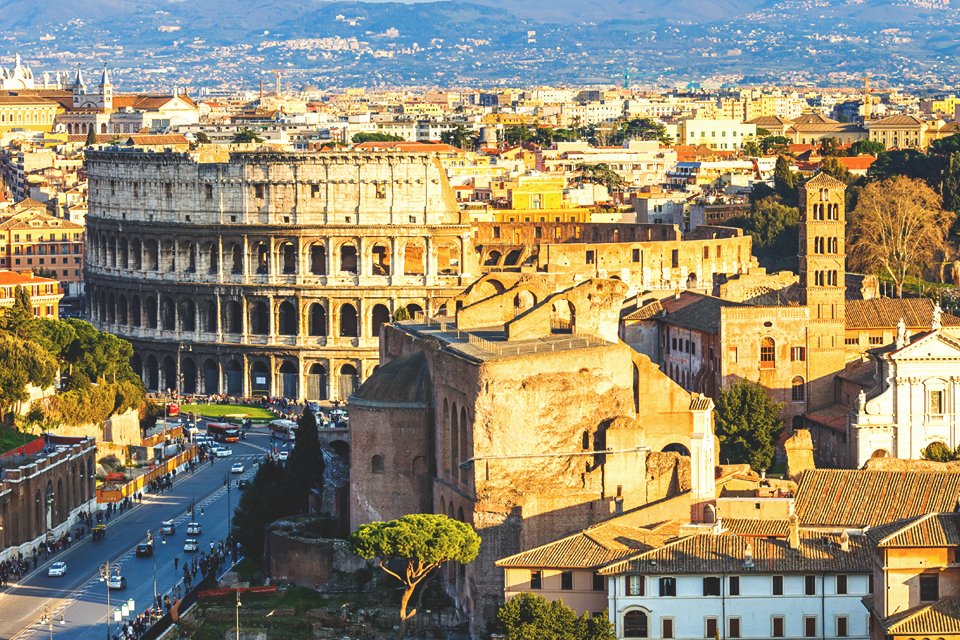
x=727, y=586
x=722, y=134
x=662, y=208
x=914, y=399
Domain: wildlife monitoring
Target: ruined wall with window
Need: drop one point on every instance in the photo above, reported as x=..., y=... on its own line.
x=267, y=273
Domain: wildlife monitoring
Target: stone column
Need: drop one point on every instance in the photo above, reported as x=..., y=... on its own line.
x=274, y=374
x=271, y=320
x=246, y=373
x=244, y=319
x=218, y=323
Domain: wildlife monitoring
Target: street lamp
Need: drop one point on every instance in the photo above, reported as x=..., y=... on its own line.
x=108, y=569
x=153, y=554
x=238, y=614
x=47, y=619
x=226, y=481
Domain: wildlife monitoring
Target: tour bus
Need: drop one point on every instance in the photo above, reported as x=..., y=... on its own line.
x=223, y=432
x=284, y=430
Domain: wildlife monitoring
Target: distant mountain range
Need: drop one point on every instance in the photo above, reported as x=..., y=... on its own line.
x=503, y=41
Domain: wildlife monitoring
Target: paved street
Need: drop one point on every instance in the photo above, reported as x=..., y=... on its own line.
x=82, y=598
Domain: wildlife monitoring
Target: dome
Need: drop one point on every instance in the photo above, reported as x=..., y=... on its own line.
x=403, y=382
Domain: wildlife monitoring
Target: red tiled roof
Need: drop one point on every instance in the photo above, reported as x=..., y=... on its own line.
x=861, y=162
x=885, y=313
x=14, y=278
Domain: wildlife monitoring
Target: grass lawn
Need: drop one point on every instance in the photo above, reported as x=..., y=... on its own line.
x=229, y=411
x=11, y=439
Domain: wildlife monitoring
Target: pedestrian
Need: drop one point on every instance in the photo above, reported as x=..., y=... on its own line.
x=176, y=563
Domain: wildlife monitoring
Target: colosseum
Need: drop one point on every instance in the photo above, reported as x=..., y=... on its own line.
x=259, y=273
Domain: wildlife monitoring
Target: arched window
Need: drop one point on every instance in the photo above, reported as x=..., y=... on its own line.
x=798, y=390
x=768, y=353
x=635, y=624
x=318, y=320
x=288, y=257
x=379, y=317
x=348, y=259
x=287, y=319
x=258, y=318
x=318, y=260
x=348, y=322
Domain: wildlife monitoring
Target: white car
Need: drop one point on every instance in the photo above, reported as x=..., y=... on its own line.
x=224, y=453
x=191, y=544
x=237, y=467
x=283, y=455
x=57, y=569
x=193, y=528
x=116, y=582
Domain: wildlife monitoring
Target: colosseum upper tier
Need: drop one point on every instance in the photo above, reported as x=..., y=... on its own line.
x=267, y=273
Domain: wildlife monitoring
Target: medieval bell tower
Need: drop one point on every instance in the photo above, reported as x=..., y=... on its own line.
x=823, y=283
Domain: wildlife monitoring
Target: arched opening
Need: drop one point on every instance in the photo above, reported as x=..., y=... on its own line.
x=103, y=128
x=379, y=317
x=136, y=363
x=167, y=314
x=464, y=451
x=236, y=259
x=317, y=382
x=768, y=353
x=317, y=320
x=522, y=301
x=213, y=259
x=413, y=258
x=170, y=256
x=191, y=258
x=261, y=258
x=136, y=254
x=381, y=260
x=635, y=624
x=676, y=447
x=211, y=377
x=493, y=259
x=348, y=259
x=232, y=317
x=153, y=256
x=376, y=464
x=880, y=453
x=798, y=390
x=124, y=255
x=151, y=374
x=288, y=257
x=122, y=311
x=348, y=381
x=169, y=374
x=188, y=315
x=209, y=317
x=259, y=322
x=318, y=260
x=454, y=430
x=188, y=372
x=349, y=327
x=260, y=378
x=414, y=309
x=448, y=259
x=289, y=380
x=111, y=309
x=513, y=258
x=234, y=378
x=135, y=319
x=563, y=317
x=287, y=319
x=151, y=312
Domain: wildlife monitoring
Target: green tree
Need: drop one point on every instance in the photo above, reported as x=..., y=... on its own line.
x=640, y=129
x=22, y=362
x=747, y=425
x=939, y=452
x=375, y=136
x=260, y=504
x=246, y=136
x=950, y=188
x=423, y=541
x=832, y=167
x=401, y=314
x=829, y=146
x=774, y=228
x=867, y=147
x=18, y=320
x=304, y=470
x=785, y=181
x=517, y=135
x=778, y=144
x=201, y=138
x=460, y=137
x=91, y=136
x=529, y=616
x=945, y=146
x=750, y=148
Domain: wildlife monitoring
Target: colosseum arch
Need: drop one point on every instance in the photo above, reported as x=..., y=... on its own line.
x=151, y=374
x=289, y=379
x=380, y=259
x=288, y=258
x=448, y=258
x=414, y=309
x=379, y=316
x=190, y=259
x=136, y=309
x=347, y=381
x=236, y=259
x=188, y=375
x=259, y=319
x=124, y=254
x=122, y=310
x=260, y=256
x=169, y=372
x=348, y=258
x=287, y=317
x=234, y=372
x=318, y=259
x=213, y=258
x=136, y=254
x=208, y=316
x=349, y=326
x=136, y=363
x=317, y=382
x=111, y=304
x=563, y=316
x=112, y=251
x=317, y=320
x=413, y=258
x=260, y=378
x=525, y=299
x=152, y=251
x=168, y=250
x=150, y=310
x=188, y=315
x=232, y=317
x=211, y=377
x=493, y=259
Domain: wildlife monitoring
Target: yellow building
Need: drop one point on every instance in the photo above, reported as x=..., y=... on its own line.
x=901, y=132
x=508, y=119
x=941, y=106
x=33, y=240
x=44, y=293
x=530, y=192
x=26, y=112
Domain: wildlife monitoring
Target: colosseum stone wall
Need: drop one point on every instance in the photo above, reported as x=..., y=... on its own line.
x=267, y=273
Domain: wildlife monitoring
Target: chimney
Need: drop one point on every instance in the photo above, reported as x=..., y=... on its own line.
x=748, y=555
x=793, y=526
x=845, y=542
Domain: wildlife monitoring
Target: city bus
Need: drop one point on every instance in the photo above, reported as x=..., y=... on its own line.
x=283, y=430
x=223, y=432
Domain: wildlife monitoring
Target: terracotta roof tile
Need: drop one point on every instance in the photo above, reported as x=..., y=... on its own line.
x=756, y=528
x=929, y=530
x=860, y=498
x=694, y=311
x=940, y=618
x=886, y=313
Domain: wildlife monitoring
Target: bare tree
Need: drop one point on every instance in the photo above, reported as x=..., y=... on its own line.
x=898, y=227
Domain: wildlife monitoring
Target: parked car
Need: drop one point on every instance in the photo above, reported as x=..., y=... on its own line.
x=243, y=483
x=167, y=528
x=237, y=467
x=57, y=569
x=283, y=455
x=224, y=453
x=144, y=550
x=116, y=582
x=191, y=544
x=193, y=528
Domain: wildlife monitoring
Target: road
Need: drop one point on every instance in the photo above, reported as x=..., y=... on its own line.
x=80, y=596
